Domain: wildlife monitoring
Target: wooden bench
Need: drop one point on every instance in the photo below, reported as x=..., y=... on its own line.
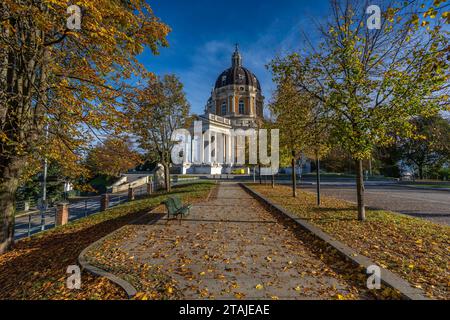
x=176, y=208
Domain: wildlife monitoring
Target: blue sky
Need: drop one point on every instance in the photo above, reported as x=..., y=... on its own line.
x=204, y=33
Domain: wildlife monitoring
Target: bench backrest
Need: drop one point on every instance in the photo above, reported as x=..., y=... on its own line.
x=177, y=202
x=170, y=205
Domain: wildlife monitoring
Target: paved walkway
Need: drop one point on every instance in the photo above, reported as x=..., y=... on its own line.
x=231, y=247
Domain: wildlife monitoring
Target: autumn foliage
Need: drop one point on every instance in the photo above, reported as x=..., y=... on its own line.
x=113, y=157
x=72, y=82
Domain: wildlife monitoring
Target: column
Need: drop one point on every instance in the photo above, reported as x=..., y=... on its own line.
x=104, y=202
x=149, y=187
x=224, y=148
x=130, y=194
x=229, y=159
x=192, y=158
x=233, y=103
x=62, y=213
x=202, y=149
x=252, y=104
x=216, y=145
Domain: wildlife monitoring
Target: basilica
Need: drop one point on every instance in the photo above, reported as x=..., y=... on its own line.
x=236, y=102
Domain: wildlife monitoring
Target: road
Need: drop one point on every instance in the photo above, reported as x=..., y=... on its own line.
x=77, y=210
x=31, y=224
x=428, y=204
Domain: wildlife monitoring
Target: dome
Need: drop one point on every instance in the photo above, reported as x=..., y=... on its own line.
x=237, y=74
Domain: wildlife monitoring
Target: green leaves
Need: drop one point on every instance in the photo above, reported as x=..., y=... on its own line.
x=370, y=84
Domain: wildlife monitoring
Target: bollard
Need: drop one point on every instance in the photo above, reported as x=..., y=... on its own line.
x=130, y=194
x=149, y=188
x=62, y=214
x=29, y=225
x=104, y=202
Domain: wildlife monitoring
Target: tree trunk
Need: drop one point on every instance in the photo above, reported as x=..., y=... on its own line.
x=260, y=177
x=273, y=181
x=9, y=183
x=318, y=179
x=294, y=179
x=420, y=172
x=360, y=190
x=167, y=177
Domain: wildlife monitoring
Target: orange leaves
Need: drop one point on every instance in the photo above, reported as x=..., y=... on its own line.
x=84, y=70
x=239, y=295
x=414, y=249
x=113, y=157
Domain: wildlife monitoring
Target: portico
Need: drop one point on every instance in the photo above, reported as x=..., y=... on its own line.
x=236, y=102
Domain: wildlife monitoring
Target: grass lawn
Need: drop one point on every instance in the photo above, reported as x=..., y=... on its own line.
x=415, y=249
x=36, y=268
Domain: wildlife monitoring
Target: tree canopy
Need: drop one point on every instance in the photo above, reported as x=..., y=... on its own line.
x=69, y=83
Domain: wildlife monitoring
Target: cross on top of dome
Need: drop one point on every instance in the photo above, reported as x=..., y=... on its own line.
x=237, y=58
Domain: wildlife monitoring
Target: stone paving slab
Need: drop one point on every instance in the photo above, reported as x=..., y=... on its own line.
x=232, y=247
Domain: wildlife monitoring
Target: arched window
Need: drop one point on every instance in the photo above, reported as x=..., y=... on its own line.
x=241, y=107
x=224, y=109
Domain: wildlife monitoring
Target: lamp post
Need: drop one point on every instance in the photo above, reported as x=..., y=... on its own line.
x=44, y=187
x=318, y=177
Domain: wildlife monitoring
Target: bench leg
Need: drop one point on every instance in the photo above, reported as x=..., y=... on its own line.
x=168, y=218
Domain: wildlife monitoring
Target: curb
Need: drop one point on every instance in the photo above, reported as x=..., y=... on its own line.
x=125, y=285
x=210, y=193
x=387, y=277
x=423, y=188
x=85, y=265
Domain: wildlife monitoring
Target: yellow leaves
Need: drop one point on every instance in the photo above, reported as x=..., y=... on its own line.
x=446, y=16
x=239, y=295
x=437, y=3
x=259, y=287
x=204, y=293
x=415, y=249
x=297, y=288
x=415, y=19
x=431, y=12
x=234, y=285
x=340, y=297
x=269, y=259
x=141, y=296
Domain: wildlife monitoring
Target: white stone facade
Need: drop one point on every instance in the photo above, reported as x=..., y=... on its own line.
x=236, y=102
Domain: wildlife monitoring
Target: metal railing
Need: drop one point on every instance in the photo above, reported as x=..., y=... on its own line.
x=30, y=222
